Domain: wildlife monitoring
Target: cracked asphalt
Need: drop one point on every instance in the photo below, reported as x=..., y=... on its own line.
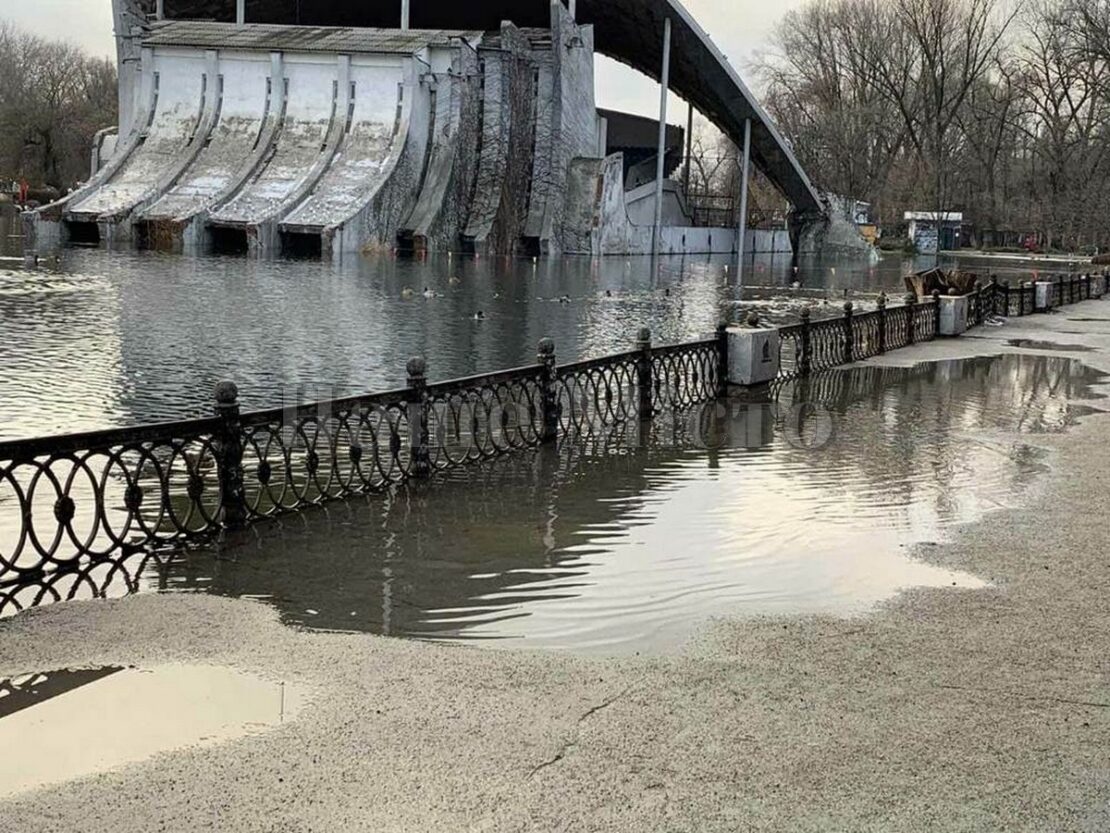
x=943, y=710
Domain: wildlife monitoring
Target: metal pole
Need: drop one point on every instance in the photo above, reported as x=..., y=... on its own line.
x=572, y=7
x=745, y=164
x=664, y=88
x=160, y=10
x=241, y=12
x=404, y=14
x=689, y=150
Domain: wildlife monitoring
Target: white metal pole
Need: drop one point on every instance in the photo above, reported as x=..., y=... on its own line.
x=404, y=14
x=160, y=10
x=572, y=7
x=664, y=89
x=241, y=12
x=743, y=231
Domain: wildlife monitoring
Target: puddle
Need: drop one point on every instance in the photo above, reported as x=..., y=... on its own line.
x=1032, y=344
x=812, y=503
x=60, y=725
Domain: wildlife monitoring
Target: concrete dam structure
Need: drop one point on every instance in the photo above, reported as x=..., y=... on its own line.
x=347, y=127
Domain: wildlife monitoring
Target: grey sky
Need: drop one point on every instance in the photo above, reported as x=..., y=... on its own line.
x=739, y=28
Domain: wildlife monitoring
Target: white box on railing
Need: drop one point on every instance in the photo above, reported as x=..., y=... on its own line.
x=953, y=314
x=753, y=356
x=1043, y=298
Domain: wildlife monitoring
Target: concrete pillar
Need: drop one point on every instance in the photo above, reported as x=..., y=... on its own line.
x=664, y=88
x=745, y=164
x=405, y=14
x=240, y=12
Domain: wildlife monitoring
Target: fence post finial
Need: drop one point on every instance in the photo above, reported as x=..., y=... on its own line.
x=228, y=449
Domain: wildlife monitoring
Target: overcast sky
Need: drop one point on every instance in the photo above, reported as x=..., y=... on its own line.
x=739, y=28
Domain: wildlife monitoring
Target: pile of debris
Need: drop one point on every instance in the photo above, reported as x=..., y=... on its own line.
x=946, y=283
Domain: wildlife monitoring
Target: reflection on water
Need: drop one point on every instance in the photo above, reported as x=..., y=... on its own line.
x=60, y=725
x=808, y=504
x=111, y=338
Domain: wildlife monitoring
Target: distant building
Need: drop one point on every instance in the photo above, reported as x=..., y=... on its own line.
x=933, y=231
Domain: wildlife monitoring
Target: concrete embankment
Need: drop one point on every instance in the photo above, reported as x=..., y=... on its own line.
x=944, y=710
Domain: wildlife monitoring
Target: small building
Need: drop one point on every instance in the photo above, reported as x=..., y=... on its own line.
x=933, y=231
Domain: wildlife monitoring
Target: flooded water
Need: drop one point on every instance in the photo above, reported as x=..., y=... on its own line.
x=1050, y=346
x=60, y=725
x=810, y=503
x=101, y=339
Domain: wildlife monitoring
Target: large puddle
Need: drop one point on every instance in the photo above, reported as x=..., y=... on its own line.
x=811, y=503
x=61, y=725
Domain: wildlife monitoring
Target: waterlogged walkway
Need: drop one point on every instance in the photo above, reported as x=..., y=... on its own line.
x=981, y=707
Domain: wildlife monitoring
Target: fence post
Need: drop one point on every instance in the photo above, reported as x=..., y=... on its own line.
x=805, y=361
x=643, y=373
x=419, y=452
x=849, y=333
x=228, y=449
x=911, y=305
x=882, y=322
x=936, y=313
x=549, y=431
x=722, y=360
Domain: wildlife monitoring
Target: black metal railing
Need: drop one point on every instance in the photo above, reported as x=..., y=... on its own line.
x=813, y=346
x=91, y=496
x=70, y=500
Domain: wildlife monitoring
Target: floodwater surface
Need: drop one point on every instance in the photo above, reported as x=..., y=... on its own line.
x=60, y=725
x=101, y=339
x=814, y=502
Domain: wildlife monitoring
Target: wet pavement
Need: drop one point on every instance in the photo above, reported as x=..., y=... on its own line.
x=56, y=726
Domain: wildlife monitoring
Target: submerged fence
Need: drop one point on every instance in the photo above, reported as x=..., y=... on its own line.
x=69, y=500
x=98, y=494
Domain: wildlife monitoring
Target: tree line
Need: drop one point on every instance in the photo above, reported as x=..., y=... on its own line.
x=54, y=97
x=997, y=109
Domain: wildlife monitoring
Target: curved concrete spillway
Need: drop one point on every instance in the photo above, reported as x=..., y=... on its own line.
x=250, y=113
x=181, y=98
x=370, y=149
x=310, y=139
x=629, y=31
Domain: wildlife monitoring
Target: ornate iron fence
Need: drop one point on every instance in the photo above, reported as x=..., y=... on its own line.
x=66, y=501
x=813, y=346
x=69, y=501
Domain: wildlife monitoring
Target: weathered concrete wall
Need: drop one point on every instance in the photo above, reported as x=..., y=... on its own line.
x=606, y=228
x=498, y=209
x=375, y=226
x=576, y=116
x=440, y=213
x=129, y=22
x=640, y=203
